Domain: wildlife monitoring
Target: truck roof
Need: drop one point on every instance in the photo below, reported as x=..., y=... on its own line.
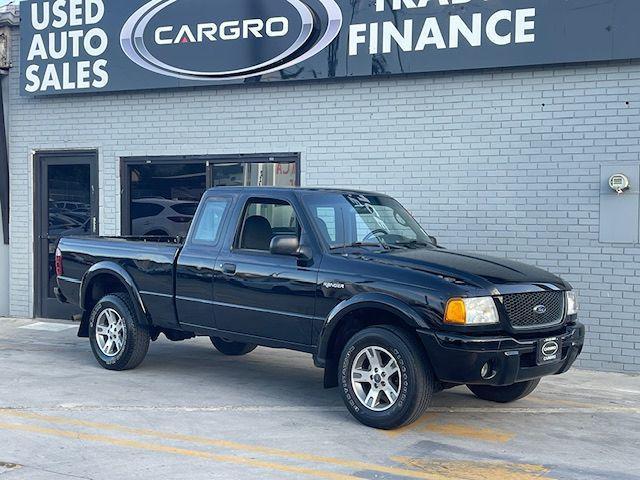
x=266, y=190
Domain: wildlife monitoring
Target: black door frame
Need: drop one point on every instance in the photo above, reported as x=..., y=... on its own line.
x=43, y=305
x=4, y=175
x=209, y=160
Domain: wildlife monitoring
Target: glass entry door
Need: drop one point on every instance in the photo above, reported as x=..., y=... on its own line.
x=67, y=195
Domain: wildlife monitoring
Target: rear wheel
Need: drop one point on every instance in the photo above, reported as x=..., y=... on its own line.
x=119, y=340
x=386, y=380
x=506, y=394
x=229, y=347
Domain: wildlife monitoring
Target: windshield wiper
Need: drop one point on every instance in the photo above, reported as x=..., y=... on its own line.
x=360, y=244
x=414, y=243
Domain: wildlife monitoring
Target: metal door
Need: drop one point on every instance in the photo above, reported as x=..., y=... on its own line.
x=66, y=204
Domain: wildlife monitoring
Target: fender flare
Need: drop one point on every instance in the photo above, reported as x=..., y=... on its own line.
x=382, y=301
x=114, y=270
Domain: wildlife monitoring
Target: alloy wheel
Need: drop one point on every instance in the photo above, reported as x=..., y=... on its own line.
x=110, y=332
x=376, y=379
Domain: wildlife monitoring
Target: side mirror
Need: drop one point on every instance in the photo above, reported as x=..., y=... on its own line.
x=285, y=245
x=434, y=240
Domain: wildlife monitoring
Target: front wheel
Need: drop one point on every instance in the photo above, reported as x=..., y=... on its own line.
x=231, y=348
x=506, y=394
x=386, y=380
x=118, y=338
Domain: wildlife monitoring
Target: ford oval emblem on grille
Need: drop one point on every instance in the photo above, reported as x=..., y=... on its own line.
x=540, y=309
x=550, y=348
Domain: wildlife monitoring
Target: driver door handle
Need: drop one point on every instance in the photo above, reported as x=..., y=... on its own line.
x=228, y=268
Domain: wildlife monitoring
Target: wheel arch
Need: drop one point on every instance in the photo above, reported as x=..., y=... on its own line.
x=102, y=279
x=354, y=314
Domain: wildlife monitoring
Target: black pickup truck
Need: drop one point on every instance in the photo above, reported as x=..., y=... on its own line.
x=349, y=277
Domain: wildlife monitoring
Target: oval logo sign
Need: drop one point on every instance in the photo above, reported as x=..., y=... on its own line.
x=540, y=309
x=550, y=348
x=227, y=39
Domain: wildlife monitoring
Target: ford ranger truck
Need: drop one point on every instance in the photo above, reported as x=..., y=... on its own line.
x=349, y=277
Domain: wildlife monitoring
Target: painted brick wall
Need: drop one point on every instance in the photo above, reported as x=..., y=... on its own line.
x=505, y=162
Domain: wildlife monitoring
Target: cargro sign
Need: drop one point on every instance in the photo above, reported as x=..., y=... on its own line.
x=71, y=46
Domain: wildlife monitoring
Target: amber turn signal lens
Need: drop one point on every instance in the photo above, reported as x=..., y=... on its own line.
x=456, y=312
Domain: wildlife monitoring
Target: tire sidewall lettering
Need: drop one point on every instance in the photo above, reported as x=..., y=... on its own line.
x=404, y=374
x=346, y=384
x=345, y=378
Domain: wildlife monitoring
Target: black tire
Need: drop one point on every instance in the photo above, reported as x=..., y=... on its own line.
x=506, y=394
x=417, y=383
x=233, y=349
x=136, y=334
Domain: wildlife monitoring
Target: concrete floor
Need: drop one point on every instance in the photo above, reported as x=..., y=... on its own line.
x=191, y=413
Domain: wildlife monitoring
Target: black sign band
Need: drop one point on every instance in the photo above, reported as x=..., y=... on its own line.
x=71, y=46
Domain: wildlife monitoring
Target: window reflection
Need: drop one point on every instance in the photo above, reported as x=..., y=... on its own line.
x=69, y=208
x=165, y=196
x=255, y=175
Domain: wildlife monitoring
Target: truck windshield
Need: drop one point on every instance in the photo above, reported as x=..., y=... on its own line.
x=359, y=220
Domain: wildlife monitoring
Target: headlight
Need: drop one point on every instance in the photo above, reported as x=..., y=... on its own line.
x=572, y=303
x=471, y=311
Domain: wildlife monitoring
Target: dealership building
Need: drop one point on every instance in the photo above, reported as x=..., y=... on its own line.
x=510, y=128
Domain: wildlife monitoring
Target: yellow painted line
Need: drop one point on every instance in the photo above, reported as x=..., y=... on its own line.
x=538, y=410
x=152, y=447
x=9, y=466
x=466, y=431
x=194, y=439
x=426, y=418
x=558, y=401
x=426, y=424
x=478, y=470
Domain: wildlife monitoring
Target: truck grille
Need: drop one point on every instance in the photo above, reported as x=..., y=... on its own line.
x=521, y=309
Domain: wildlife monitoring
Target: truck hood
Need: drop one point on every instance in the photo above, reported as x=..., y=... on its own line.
x=506, y=276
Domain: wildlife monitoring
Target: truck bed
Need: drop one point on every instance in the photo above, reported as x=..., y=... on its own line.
x=148, y=262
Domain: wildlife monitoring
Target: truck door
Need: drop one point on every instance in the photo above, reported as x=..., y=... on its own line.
x=261, y=294
x=196, y=263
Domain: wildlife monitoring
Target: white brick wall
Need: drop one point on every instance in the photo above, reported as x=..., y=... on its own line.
x=504, y=162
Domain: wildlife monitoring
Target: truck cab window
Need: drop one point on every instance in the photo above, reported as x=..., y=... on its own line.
x=264, y=219
x=364, y=220
x=374, y=218
x=327, y=223
x=208, y=228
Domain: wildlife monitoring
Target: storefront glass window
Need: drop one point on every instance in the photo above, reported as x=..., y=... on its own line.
x=163, y=196
x=255, y=175
x=228, y=175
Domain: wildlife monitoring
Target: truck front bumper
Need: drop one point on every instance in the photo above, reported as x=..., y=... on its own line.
x=460, y=359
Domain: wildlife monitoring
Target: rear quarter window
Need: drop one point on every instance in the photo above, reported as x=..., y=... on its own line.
x=208, y=227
